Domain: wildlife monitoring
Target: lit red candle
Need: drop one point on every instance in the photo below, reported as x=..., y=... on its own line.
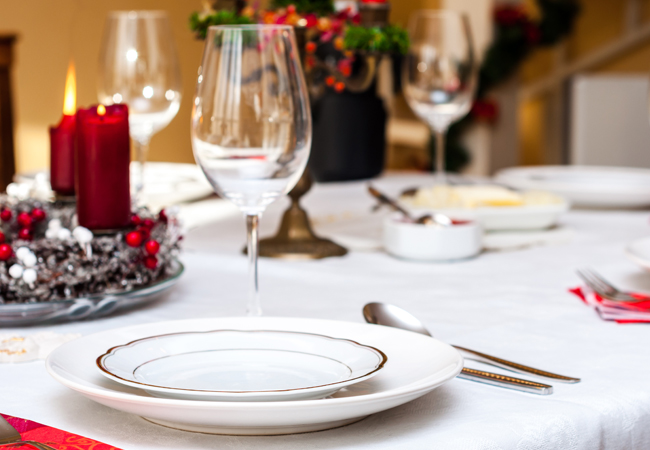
x=62, y=142
x=102, y=167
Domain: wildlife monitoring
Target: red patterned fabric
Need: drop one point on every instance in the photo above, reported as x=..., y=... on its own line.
x=58, y=439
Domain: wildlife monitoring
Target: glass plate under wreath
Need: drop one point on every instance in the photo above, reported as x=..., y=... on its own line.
x=92, y=306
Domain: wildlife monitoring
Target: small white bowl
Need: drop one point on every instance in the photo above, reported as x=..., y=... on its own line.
x=429, y=242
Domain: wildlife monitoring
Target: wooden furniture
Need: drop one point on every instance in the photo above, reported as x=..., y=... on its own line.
x=7, y=158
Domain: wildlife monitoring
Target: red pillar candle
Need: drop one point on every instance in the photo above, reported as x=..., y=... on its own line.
x=62, y=142
x=102, y=167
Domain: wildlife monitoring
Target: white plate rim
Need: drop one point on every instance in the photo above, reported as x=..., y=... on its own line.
x=410, y=389
x=111, y=351
x=523, y=174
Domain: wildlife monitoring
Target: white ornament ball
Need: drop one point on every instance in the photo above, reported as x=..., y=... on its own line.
x=16, y=271
x=83, y=235
x=29, y=276
x=54, y=224
x=29, y=260
x=64, y=234
x=51, y=233
x=22, y=252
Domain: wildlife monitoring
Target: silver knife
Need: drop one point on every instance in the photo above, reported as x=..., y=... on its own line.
x=505, y=381
x=512, y=366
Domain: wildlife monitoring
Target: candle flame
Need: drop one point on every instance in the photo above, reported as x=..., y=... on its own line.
x=70, y=96
x=101, y=110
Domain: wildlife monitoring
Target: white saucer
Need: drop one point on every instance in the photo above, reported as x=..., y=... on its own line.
x=234, y=365
x=590, y=186
x=417, y=365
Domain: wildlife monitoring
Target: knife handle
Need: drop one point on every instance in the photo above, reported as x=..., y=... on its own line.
x=509, y=365
x=505, y=381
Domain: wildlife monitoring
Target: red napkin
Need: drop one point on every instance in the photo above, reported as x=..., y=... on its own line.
x=58, y=439
x=619, y=312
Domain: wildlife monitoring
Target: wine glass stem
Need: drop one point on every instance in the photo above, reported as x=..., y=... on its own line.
x=440, y=173
x=254, y=305
x=141, y=152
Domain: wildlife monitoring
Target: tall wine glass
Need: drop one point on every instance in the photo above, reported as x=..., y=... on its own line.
x=251, y=123
x=439, y=73
x=138, y=66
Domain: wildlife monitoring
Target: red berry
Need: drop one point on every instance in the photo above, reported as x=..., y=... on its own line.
x=134, y=239
x=144, y=232
x=162, y=216
x=6, y=215
x=150, y=262
x=38, y=214
x=136, y=220
x=310, y=47
x=152, y=247
x=5, y=252
x=148, y=223
x=24, y=220
x=25, y=234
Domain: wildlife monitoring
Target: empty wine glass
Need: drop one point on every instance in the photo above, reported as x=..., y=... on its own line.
x=138, y=66
x=251, y=123
x=439, y=73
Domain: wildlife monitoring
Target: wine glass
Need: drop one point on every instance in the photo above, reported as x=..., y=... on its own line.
x=439, y=73
x=251, y=122
x=138, y=66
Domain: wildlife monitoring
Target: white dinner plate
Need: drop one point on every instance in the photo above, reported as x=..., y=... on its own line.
x=236, y=365
x=417, y=364
x=590, y=186
x=639, y=252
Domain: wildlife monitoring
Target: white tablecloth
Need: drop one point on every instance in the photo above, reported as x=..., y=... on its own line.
x=511, y=304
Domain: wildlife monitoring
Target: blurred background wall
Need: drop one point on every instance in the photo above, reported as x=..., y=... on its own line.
x=52, y=32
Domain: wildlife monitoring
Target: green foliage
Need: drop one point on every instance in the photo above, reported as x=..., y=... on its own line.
x=389, y=39
x=318, y=7
x=199, y=23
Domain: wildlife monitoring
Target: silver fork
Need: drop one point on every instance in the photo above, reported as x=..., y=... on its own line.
x=10, y=437
x=605, y=289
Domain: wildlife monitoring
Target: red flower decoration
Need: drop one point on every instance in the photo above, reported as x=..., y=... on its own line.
x=509, y=15
x=485, y=110
x=533, y=35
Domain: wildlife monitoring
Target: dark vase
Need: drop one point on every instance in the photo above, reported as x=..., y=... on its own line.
x=349, y=136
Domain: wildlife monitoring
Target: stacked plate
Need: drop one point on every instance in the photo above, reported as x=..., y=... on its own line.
x=254, y=375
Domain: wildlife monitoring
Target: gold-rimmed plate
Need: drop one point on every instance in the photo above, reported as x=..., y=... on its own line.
x=241, y=365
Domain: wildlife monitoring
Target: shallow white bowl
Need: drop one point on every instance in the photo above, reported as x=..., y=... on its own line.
x=241, y=365
x=429, y=242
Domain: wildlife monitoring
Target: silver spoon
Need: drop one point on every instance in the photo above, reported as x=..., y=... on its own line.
x=394, y=316
x=427, y=219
